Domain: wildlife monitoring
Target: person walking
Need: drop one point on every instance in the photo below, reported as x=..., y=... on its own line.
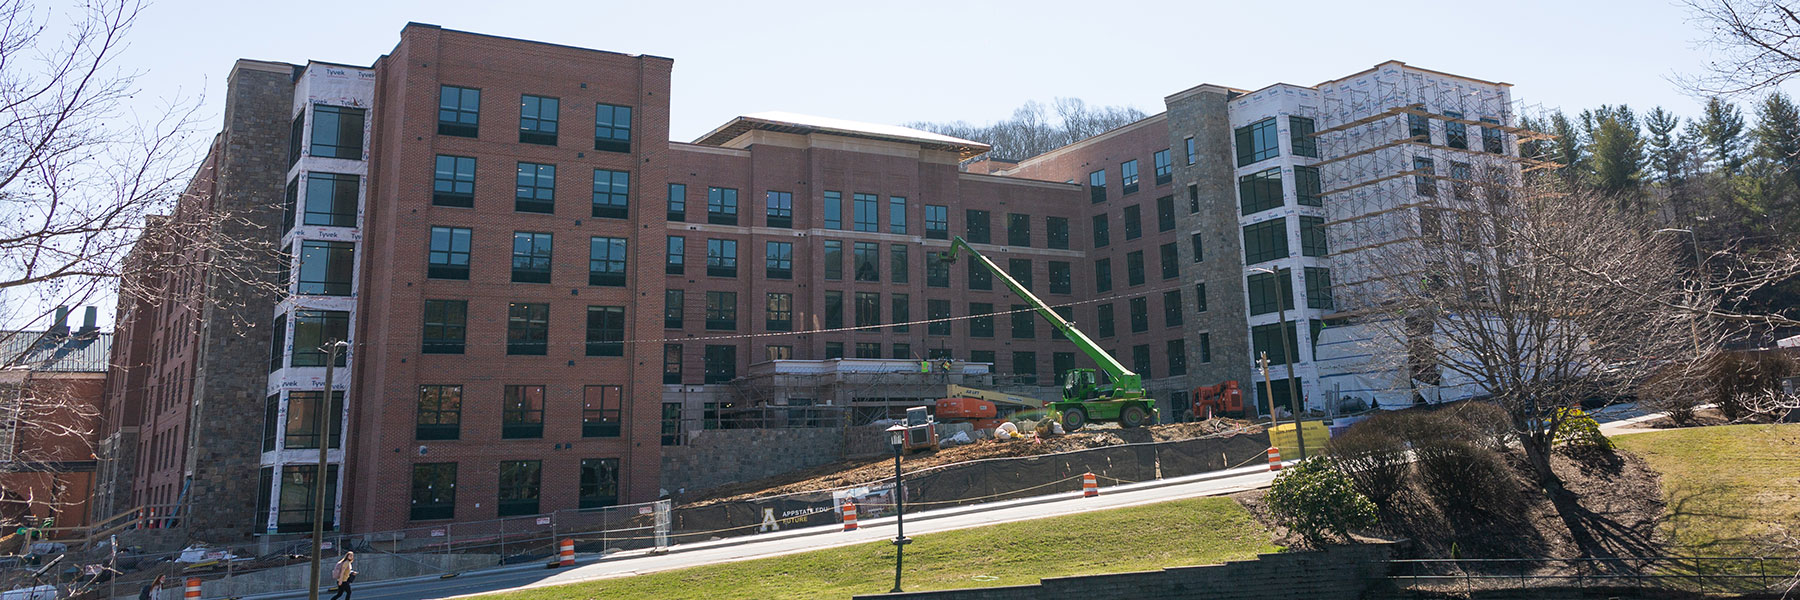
x=344, y=573
x=149, y=591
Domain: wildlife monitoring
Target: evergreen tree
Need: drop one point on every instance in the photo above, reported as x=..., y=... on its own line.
x=1723, y=129
x=1666, y=152
x=1616, y=150
x=1567, y=148
x=1777, y=136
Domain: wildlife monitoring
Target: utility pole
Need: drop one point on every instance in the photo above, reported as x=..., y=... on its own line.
x=1262, y=362
x=322, y=424
x=1287, y=353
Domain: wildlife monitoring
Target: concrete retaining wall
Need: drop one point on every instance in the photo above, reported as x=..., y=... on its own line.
x=717, y=457
x=370, y=566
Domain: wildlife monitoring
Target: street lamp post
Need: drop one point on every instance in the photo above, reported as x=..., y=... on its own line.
x=1699, y=272
x=897, y=438
x=322, y=424
x=1287, y=353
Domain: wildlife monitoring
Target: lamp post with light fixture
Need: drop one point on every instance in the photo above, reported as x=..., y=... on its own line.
x=897, y=438
x=1287, y=356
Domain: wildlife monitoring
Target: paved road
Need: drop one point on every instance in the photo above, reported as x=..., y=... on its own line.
x=814, y=538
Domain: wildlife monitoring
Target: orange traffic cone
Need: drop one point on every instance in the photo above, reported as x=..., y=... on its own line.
x=1274, y=458
x=849, y=511
x=1089, y=486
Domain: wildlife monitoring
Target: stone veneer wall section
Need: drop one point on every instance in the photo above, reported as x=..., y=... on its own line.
x=1202, y=114
x=718, y=457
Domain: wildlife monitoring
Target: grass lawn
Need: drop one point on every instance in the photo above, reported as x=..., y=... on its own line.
x=1727, y=487
x=1141, y=538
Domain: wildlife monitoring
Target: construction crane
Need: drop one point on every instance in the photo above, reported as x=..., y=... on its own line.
x=1084, y=397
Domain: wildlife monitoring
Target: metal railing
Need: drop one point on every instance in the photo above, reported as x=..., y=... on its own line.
x=1720, y=574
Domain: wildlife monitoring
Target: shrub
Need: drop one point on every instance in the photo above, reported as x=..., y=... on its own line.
x=1489, y=424
x=1316, y=500
x=1737, y=374
x=1373, y=459
x=1578, y=431
x=1462, y=476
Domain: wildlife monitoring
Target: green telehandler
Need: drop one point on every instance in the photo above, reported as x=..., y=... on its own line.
x=1085, y=398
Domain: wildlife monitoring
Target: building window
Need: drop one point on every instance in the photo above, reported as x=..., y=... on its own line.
x=780, y=209
x=671, y=423
x=1424, y=179
x=1020, y=270
x=1172, y=308
x=721, y=258
x=1265, y=241
x=779, y=260
x=1057, y=230
x=439, y=413
x=602, y=410
x=902, y=351
x=295, y=512
x=1177, y=351
x=531, y=257
x=671, y=367
x=453, y=182
x=316, y=329
x=1024, y=367
x=278, y=345
x=433, y=488
x=446, y=326
x=1456, y=134
x=522, y=412
x=1103, y=315
x=1265, y=290
x=1165, y=213
x=896, y=214
x=897, y=263
x=1205, y=348
x=1460, y=176
x=867, y=258
x=1260, y=191
x=721, y=206
x=1018, y=230
x=721, y=364
x=834, y=350
x=834, y=259
x=1061, y=278
x=866, y=211
x=1300, y=137
x=977, y=222
x=1097, y=186
x=1312, y=236
x=297, y=138
x=326, y=268
x=678, y=202
x=721, y=311
x=1200, y=297
x=937, y=222
x=1134, y=222
x=979, y=277
x=537, y=120
x=834, y=210
x=303, y=420
x=1103, y=275
x=1308, y=190
x=902, y=307
x=1102, y=231
x=1171, y=261
x=868, y=309
x=868, y=350
x=834, y=309
x=527, y=328
x=536, y=192
x=331, y=199
x=1140, y=360
x=983, y=356
x=1199, y=251
x=981, y=319
x=675, y=256
x=1140, y=314
x=612, y=128
x=1418, y=127
x=938, y=311
x=612, y=194
x=1024, y=322
x=779, y=352
x=1128, y=177
x=1134, y=267
x=519, y=486
x=606, y=261
x=448, y=257
x=937, y=272
x=1491, y=142
x=1266, y=339
x=1318, y=288
x=459, y=111
x=780, y=314
x=337, y=132
x=599, y=482
x=1165, y=172
x=606, y=331
x=1193, y=199
x=674, y=308
x=1061, y=363
x=1257, y=142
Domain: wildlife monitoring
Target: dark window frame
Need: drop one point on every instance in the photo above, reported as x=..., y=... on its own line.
x=453, y=102
x=534, y=126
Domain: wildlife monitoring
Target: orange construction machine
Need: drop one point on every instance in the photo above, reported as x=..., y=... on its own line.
x=985, y=409
x=1218, y=400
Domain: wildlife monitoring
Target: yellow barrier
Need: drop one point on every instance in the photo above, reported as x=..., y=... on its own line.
x=1283, y=437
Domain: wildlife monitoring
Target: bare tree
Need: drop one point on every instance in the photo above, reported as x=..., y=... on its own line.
x=1032, y=130
x=1756, y=42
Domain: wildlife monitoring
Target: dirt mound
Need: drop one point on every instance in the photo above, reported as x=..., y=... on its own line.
x=857, y=472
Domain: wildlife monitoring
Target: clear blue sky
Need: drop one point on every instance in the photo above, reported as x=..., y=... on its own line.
x=893, y=62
